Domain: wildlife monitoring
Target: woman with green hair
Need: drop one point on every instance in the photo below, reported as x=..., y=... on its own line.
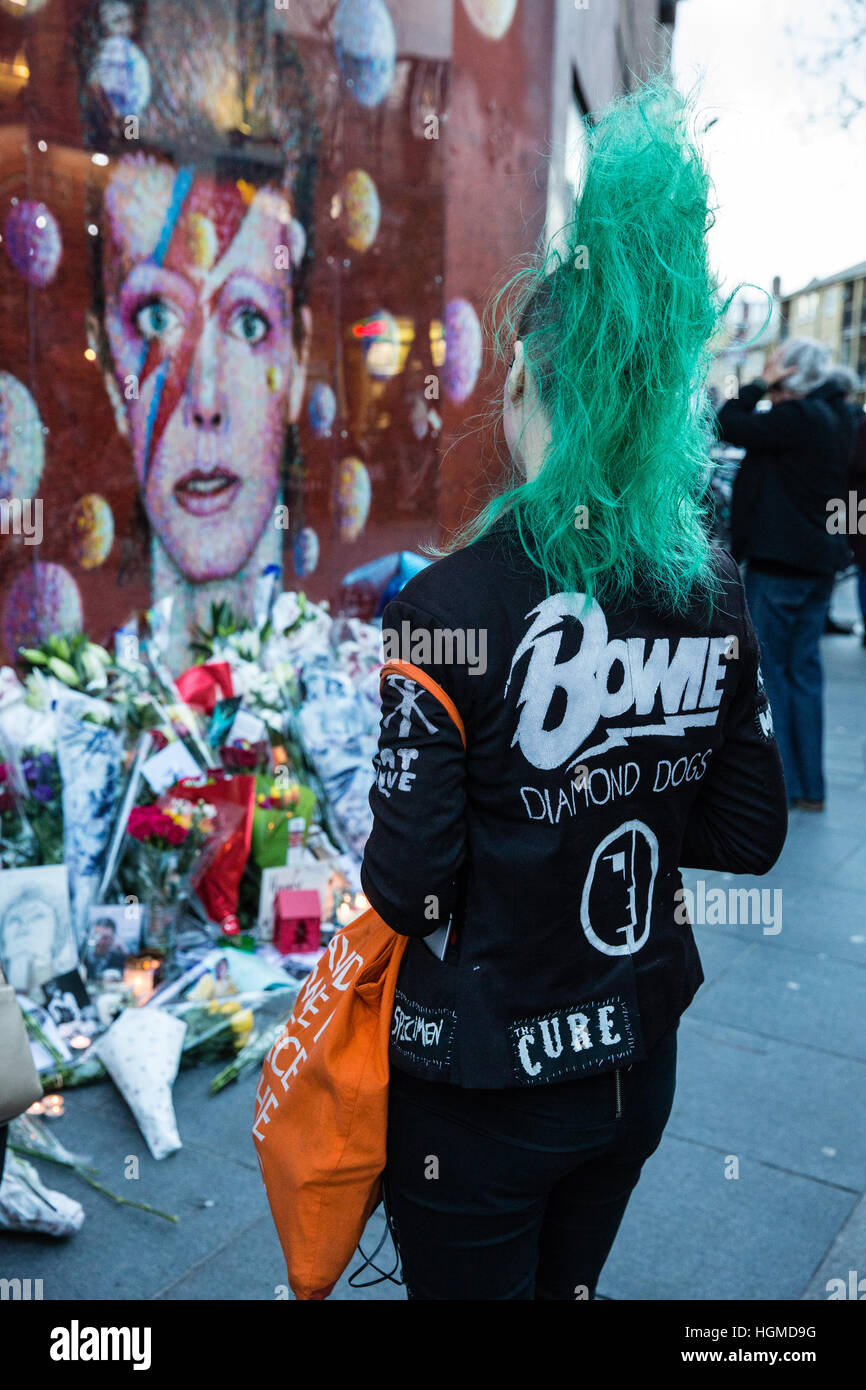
x=616, y=730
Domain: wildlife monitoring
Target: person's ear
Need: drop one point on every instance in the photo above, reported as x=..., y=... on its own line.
x=301, y=360
x=517, y=374
x=97, y=343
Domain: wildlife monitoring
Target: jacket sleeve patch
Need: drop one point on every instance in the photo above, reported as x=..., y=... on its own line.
x=425, y=1035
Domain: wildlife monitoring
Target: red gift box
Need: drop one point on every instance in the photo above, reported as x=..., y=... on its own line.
x=297, y=920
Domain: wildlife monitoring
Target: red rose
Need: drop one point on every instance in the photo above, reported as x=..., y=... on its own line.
x=150, y=823
x=141, y=823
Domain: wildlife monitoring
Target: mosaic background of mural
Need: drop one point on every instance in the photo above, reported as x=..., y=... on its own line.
x=246, y=247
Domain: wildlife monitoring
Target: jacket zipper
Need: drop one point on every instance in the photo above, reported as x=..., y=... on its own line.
x=618, y=1094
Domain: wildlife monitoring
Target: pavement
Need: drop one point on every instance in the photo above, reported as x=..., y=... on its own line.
x=757, y=1189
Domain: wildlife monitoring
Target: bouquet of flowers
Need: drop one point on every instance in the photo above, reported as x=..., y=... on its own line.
x=19, y=847
x=164, y=845
x=75, y=661
x=43, y=802
x=279, y=801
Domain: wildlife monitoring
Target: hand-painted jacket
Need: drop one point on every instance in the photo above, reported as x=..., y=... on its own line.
x=605, y=751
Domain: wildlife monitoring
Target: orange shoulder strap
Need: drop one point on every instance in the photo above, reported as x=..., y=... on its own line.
x=414, y=673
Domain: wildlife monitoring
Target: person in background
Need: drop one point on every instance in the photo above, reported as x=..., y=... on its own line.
x=797, y=459
x=857, y=515
x=847, y=383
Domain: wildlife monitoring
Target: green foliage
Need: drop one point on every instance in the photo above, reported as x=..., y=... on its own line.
x=76, y=661
x=223, y=623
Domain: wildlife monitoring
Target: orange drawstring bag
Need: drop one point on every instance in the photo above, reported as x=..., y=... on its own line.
x=322, y=1100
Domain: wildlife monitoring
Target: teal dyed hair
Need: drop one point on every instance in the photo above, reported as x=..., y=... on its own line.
x=616, y=325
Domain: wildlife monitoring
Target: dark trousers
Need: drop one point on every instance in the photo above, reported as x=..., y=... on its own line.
x=519, y=1193
x=789, y=615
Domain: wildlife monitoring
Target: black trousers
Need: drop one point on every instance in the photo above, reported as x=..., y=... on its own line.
x=519, y=1193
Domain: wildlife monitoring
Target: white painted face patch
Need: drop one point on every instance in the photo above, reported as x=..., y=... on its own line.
x=617, y=900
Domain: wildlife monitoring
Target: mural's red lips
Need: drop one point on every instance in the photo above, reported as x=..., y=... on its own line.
x=206, y=493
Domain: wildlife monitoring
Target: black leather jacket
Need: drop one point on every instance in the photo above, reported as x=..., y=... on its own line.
x=569, y=950
x=797, y=460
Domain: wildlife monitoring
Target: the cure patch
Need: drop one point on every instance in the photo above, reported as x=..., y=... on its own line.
x=422, y=1033
x=574, y=1040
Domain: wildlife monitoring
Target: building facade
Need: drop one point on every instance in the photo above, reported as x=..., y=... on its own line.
x=247, y=246
x=833, y=310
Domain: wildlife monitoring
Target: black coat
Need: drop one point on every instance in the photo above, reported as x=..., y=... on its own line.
x=573, y=952
x=797, y=460
x=857, y=485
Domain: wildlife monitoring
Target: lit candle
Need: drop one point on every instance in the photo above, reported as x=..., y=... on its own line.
x=80, y=1040
x=361, y=903
x=37, y=1108
x=52, y=1106
x=139, y=974
x=345, y=914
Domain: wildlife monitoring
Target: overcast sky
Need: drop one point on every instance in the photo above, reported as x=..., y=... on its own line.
x=792, y=197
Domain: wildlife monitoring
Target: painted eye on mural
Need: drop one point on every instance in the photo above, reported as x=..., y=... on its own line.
x=156, y=319
x=249, y=324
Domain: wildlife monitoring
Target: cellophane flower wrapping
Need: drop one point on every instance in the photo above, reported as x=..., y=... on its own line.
x=169, y=847
x=90, y=755
x=141, y=1053
x=32, y=805
x=278, y=803
x=219, y=865
x=29, y=1207
x=19, y=847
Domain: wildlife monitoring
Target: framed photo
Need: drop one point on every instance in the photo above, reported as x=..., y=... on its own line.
x=37, y=940
x=67, y=1001
x=113, y=933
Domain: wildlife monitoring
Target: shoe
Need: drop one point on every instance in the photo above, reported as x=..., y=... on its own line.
x=834, y=629
x=803, y=804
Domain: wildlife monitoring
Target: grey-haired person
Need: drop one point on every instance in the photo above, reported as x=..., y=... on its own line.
x=797, y=460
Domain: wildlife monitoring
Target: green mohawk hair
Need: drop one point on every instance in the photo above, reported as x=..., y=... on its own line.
x=616, y=324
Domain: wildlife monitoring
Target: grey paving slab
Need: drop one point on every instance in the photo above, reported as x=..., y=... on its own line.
x=771, y=1101
x=691, y=1233
x=830, y=926
x=718, y=952
x=845, y=1258
x=251, y=1267
x=791, y=995
x=124, y=1253
x=851, y=873
x=814, y=849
